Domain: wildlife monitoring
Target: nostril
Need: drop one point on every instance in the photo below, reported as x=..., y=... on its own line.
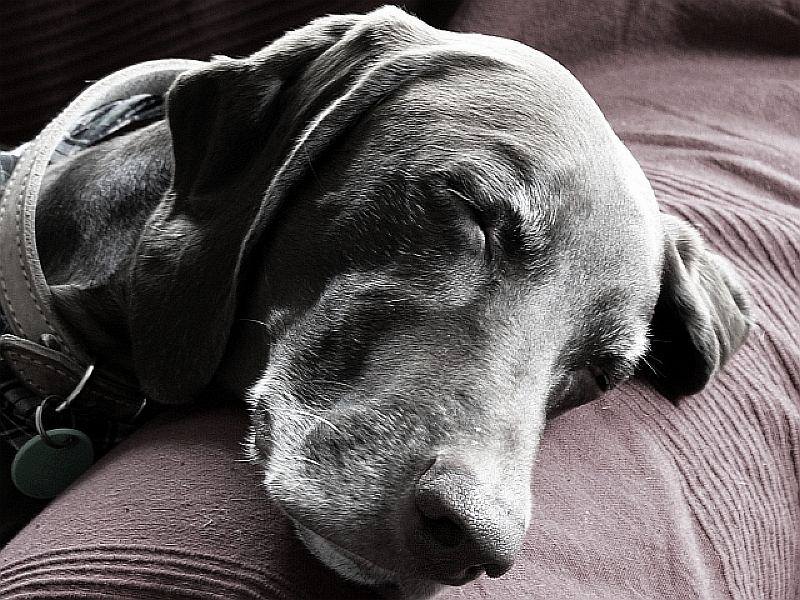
x=494, y=570
x=462, y=526
x=445, y=531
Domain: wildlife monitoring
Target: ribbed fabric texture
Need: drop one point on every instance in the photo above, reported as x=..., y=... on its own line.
x=138, y=572
x=173, y=512
x=633, y=497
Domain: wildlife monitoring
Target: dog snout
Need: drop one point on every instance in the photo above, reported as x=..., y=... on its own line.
x=463, y=527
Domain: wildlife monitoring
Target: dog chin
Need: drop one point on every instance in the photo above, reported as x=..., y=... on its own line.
x=358, y=570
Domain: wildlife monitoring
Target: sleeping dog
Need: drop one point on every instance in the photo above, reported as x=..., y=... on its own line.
x=405, y=248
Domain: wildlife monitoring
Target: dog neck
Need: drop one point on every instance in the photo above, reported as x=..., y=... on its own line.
x=91, y=211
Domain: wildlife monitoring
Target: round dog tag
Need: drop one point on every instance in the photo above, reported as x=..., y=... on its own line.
x=42, y=471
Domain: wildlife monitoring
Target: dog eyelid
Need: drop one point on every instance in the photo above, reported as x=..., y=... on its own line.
x=486, y=230
x=477, y=216
x=603, y=381
x=611, y=370
x=601, y=378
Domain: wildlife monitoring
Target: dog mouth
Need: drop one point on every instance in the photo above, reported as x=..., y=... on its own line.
x=347, y=564
x=358, y=569
x=468, y=575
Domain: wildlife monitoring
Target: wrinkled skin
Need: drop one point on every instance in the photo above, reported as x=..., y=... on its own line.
x=472, y=250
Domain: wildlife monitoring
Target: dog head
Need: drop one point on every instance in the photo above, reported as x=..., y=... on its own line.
x=410, y=245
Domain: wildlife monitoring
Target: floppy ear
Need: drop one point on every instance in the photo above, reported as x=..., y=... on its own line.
x=240, y=146
x=183, y=276
x=218, y=115
x=701, y=316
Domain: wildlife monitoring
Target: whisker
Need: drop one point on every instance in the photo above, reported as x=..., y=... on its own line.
x=301, y=458
x=343, y=384
x=310, y=382
x=318, y=418
x=256, y=321
x=651, y=366
x=309, y=162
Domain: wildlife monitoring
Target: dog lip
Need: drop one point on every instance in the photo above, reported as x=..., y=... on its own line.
x=466, y=576
x=368, y=572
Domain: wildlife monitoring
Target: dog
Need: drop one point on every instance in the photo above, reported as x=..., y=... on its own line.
x=405, y=248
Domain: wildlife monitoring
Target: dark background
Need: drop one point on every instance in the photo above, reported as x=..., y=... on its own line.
x=50, y=49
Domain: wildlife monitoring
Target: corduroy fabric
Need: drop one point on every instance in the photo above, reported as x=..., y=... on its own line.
x=633, y=497
x=171, y=513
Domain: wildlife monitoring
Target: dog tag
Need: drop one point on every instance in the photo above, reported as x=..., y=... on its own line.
x=41, y=471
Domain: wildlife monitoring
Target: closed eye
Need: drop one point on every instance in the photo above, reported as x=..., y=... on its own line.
x=610, y=371
x=602, y=379
x=574, y=388
x=480, y=228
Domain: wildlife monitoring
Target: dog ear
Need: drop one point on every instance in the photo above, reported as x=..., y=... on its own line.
x=183, y=277
x=219, y=114
x=216, y=115
x=701, y=317
x=240, y=146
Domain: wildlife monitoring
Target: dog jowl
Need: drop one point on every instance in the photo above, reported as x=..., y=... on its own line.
x=403, y=247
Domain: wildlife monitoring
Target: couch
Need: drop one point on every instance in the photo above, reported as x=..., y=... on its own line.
x=634, y=497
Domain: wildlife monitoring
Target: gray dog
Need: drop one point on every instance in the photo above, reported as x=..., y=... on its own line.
x=404, y=247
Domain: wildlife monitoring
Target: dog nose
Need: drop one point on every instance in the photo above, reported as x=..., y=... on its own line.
x=464, y=527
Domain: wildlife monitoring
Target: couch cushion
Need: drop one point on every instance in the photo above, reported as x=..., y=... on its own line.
x=633, y=497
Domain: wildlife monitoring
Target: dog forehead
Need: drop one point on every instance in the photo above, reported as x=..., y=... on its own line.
x=560, y=177
x=523, y=130
x=583, y=206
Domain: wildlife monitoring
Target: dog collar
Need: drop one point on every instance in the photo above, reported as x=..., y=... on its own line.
x=40, y=348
